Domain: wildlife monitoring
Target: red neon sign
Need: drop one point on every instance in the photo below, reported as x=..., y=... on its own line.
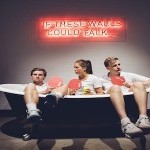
x=79, y=29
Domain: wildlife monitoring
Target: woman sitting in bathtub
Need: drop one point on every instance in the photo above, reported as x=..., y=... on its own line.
x=39, y=87
x=90, y=84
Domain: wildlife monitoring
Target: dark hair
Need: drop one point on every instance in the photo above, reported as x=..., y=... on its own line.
x=39, y=69
x=110, y=59
x=86, y=64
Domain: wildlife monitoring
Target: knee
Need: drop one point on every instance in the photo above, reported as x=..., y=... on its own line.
x=65, y=86
x=30, y=87
x=138, y=85
x=115, y=89
x=62, y=89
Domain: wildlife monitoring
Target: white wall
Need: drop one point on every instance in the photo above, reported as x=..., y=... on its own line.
x=21, y=50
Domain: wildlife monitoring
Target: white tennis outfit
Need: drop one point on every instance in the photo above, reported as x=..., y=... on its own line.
x=41, y=88
x=91, y=83
x=129, y=78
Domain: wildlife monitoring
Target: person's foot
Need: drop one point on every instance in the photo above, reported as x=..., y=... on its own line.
x=51, y=100
x=130, y=130
x=143, y=123
x=33, y=116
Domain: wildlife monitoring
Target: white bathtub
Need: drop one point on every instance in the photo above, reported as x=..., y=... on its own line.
x=18, y=89
x=92, y=108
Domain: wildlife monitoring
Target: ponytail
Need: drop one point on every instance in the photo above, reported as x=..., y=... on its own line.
x=89, y=67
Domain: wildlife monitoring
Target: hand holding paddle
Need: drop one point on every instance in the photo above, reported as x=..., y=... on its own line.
x=73, y=86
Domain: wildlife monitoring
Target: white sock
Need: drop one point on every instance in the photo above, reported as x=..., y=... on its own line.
x=31, y=106
x=125, y=120
x=143, y=116
x=59, y=95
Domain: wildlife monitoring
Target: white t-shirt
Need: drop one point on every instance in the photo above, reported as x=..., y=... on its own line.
x=41, y=88
x=91, y=83
x=129, y=78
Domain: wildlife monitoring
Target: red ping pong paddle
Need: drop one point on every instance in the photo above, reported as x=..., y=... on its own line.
x=117, y=80
x=55, y=82
x=74, y=84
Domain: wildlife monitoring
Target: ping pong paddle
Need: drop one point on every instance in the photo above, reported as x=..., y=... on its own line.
x=55, y=82
x=117, y=80
x=74, y=84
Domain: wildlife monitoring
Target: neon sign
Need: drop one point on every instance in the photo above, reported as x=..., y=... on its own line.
x=79, y=29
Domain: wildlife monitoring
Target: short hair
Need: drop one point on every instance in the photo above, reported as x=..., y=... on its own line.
x=39, y=69
x=86, y=64
x=109, y=59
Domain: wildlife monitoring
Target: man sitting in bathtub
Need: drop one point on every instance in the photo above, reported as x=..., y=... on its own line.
x=133, y=82
x=39, y=87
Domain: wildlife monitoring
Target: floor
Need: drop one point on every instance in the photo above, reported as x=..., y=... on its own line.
x=67, y=139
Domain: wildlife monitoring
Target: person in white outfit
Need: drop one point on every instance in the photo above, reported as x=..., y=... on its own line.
x=32, y=91
x=133, y=82
x=90, y=84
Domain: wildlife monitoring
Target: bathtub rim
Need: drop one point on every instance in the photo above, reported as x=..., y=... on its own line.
x=12, y=91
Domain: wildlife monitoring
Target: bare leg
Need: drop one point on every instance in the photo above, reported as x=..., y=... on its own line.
x=140, y=96
x=31, y=94
x=31, y=99
x=117, y=100
x=63, y=90
x=127, y=127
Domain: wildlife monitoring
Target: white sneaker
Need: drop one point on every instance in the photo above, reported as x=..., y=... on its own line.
x=130, y=130
x=143, y=123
